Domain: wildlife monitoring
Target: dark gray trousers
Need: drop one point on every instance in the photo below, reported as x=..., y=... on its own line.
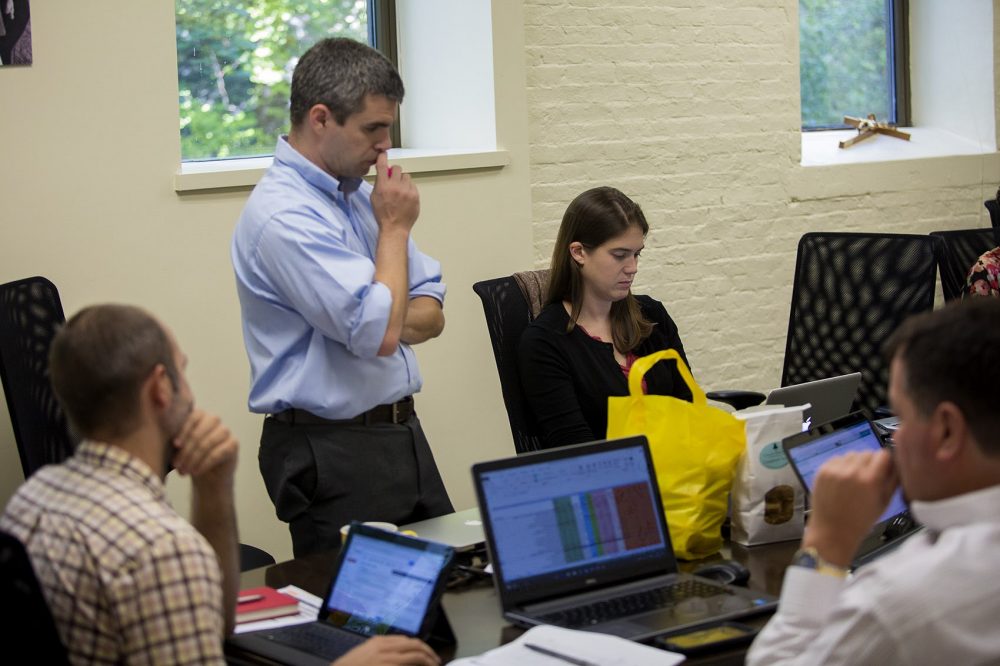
x=321, y=477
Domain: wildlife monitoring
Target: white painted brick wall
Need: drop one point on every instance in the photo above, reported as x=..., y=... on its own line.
x=692, y=109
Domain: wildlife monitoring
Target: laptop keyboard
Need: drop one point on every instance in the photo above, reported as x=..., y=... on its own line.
x=316, y=639
x=633, y=604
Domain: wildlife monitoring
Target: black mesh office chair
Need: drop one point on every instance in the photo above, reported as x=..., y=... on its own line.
x=252, y=557
x=26, y=623
x=508, y=313
x=30, y=314
x=957, y=251
x=993, y=206
x=851, y=291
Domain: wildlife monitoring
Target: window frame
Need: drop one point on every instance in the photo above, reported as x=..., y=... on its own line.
x=898, y=54
x=897, y=64
x=382, y=36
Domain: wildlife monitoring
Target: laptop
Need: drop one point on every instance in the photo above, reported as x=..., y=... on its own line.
x=809, y=450
x=577, y=538
x=828, y=398
x=383, y=583
x=462, y=530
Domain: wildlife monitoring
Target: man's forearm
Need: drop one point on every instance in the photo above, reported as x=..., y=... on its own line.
x=424, y=320
x=392, y=270
x=213, y=513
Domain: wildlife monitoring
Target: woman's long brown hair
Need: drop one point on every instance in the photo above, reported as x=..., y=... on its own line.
x=591, y=219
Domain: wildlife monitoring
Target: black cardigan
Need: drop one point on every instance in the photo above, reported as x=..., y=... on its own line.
x=567, y=377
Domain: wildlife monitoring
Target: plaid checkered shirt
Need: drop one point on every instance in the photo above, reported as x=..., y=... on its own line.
x=128, y=580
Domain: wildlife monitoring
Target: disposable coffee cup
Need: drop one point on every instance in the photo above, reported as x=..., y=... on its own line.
x=388, y=527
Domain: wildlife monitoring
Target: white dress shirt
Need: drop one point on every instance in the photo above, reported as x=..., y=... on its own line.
x=935, y=600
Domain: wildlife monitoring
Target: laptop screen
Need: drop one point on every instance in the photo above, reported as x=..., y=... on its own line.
x=809, y=451
x=573, y=515
x=386, y=585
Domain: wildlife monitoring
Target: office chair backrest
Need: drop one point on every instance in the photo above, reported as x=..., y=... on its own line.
x=993, y=206
x=26, y=623
x=957, y=251
x=252, y=557
x=30, y=314
x=850, y=292
x=508, y=313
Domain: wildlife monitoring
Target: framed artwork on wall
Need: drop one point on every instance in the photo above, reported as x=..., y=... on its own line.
x=15, y=32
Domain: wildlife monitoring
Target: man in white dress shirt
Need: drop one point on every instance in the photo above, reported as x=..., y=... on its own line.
x=936, y=599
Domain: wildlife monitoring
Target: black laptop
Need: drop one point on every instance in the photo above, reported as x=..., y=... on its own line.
x=808, y=451
x=577, y=538
x=383, y=583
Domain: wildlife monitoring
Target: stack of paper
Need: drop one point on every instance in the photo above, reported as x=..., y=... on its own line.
x=548, y=646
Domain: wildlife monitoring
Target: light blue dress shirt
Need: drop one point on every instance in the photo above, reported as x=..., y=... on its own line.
x=313, y=316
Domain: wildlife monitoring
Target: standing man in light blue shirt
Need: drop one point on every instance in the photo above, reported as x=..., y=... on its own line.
x=334, y=292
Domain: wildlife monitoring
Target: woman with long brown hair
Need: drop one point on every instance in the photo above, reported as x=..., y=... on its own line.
x=580, y=348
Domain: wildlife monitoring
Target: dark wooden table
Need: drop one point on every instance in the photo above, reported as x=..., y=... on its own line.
x=474, y=611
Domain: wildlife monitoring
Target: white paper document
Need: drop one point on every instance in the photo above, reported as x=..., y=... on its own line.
x=555, y=646
x=308, y=611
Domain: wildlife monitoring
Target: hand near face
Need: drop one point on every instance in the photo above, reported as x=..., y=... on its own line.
x=385, y=650
x=206, y=449
x=851, y=492
x=395, y=199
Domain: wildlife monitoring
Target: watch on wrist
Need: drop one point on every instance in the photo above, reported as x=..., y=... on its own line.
x=809, y=558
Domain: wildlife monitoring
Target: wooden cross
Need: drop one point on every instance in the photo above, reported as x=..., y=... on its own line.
x=868, y=127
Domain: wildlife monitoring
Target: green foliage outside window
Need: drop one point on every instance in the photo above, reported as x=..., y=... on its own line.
x=234, y=67
x=844, y=66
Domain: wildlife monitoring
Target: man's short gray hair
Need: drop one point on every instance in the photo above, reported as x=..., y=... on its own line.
x=339, y=73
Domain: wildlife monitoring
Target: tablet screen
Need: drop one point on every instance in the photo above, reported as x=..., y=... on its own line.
x=386, y=585
x=810, y=452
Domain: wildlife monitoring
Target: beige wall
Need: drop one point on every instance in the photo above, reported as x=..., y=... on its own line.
x=693, y=109
x=90, y=148
x=690, y=107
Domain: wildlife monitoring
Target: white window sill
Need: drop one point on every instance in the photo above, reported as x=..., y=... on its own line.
x=886, y=164
x=244, y=173
x=821, y=148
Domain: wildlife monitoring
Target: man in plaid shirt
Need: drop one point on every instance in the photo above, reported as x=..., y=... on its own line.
x=127, y=579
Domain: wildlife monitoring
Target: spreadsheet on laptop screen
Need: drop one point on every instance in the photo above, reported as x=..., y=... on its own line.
x=558, y=515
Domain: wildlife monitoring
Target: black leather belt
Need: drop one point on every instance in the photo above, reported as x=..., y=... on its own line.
x=397, y=412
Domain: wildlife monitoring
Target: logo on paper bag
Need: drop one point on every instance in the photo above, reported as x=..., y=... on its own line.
x=773, y=456
x=779, y=505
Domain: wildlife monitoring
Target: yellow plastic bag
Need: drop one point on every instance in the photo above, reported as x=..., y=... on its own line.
x=695, y=450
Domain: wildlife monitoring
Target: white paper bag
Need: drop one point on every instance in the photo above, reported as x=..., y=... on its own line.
x=768, y=501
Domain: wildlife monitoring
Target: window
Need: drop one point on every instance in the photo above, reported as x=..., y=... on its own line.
x=235, y=61
x=853, y=61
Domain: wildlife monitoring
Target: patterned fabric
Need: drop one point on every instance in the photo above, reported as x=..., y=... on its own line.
x=534, y=287
x=984, y=277
x=127, y=579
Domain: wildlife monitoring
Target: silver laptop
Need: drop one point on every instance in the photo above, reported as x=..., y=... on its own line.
x=462, y=530
x=577, y=538
x=828, y=398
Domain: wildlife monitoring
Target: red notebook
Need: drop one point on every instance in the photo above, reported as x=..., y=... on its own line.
x=264, y=603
